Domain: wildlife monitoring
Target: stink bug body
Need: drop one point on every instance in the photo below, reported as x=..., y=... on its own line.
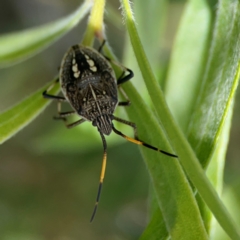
x=90, y=86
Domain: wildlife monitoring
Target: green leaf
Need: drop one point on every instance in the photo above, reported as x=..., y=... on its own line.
x=180, y=144
x=18, y=46
x=219, y=82
x=188, y=48
x=215, y=170
x=156, y=229
x=174, y=195
x=208, y=62
x=17, y=117
x=188, y=60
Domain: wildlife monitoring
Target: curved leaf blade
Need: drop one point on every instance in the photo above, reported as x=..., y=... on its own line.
x=17, y=117
x=32, y=41
x=174, y=194
x=220, y=82
x=188, y=60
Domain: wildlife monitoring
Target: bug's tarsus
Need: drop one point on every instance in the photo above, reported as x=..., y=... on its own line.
x=139, y=142
x=64, y=114
x=101, y=46
x=69, y=125
x=60, y=118
x=122, y=79
x=74, y=124
x=104, y=163
x=124, y=103
x=49, y=96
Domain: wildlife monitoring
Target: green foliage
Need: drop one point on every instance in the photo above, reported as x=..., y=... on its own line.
x=17, y=117
x=200, y=86
x=18, y=46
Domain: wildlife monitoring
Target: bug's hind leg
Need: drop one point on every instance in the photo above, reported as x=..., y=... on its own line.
x=136, y=140
x=139, y=142
x=101, y=46
x=131, y=124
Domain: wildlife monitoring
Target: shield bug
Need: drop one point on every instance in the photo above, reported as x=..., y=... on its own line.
x=90, y=86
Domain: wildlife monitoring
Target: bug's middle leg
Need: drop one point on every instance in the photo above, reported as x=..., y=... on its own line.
x=122, y=79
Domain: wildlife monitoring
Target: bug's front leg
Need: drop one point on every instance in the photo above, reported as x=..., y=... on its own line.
x=53, y=97
x=61, y=116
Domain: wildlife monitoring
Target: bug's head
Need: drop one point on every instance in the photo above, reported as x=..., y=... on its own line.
x=103, y=123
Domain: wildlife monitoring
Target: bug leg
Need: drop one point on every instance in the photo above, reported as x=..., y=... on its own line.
x=63, y=116
x=74, y=124
x=71, y=125
x=139, y=142
x=101, y=46
x=131, y=124
x=122, y=79
x=48, y=96
x=124, y=103
x=104, y=163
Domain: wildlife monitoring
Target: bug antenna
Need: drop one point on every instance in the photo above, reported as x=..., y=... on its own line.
x=139, y=142
x=97, y=201
x=104, y=163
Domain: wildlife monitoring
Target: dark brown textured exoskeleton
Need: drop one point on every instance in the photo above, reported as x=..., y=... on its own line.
x=90, y=86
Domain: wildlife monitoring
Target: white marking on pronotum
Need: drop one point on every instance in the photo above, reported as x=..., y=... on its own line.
x=76, y=74
x=94, y=68
x=90, y=62
x=75, y=68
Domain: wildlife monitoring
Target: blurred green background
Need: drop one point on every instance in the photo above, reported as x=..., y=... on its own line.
x=48, y=174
